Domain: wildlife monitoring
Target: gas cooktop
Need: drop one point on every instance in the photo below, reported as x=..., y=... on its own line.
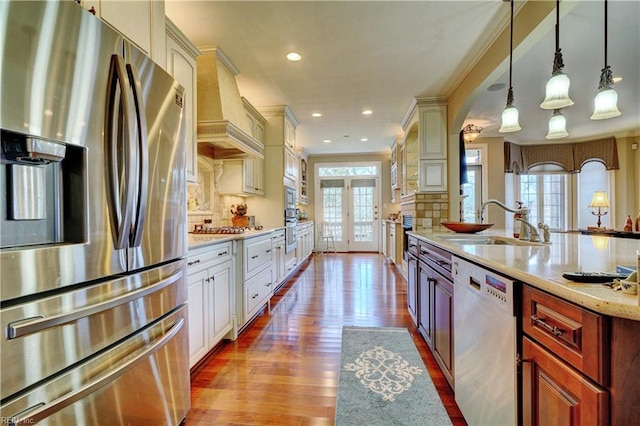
x=219, y=230
x=223, y=230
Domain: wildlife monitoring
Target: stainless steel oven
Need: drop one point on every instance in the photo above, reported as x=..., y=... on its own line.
x=290, y=218
x=290, y=236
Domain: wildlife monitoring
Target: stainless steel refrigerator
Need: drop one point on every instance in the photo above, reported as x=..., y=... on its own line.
x=93, y=225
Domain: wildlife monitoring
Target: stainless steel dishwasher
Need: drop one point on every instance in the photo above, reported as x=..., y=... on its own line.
x=484, y=345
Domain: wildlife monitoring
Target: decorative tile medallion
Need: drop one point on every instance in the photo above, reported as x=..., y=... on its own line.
x=383, y=372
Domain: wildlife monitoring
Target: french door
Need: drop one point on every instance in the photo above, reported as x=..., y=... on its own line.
x=350, y=209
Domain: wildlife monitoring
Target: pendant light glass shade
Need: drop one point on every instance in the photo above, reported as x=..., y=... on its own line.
x=557, y=95
x=557, y=126
x=606, y=101
x=510, y=113
x=510, y=120
x=606, y=104
x=557, y=92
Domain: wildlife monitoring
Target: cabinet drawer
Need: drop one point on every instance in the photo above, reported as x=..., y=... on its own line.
x=257, y=253
x=214, y=255
x=257, y=291
x=578, y=336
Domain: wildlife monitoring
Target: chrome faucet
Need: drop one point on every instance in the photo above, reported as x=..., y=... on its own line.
x=522, y=210
x=534, y=237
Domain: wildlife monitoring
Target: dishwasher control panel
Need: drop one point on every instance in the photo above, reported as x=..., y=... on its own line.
x=489, y=285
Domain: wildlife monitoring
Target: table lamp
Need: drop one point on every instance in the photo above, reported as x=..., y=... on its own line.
x=600, y=202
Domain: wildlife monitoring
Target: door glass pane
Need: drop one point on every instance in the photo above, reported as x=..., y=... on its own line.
x=332, y=210
x=363, y=207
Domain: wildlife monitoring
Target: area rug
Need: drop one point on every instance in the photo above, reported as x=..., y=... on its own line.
x=383, y=381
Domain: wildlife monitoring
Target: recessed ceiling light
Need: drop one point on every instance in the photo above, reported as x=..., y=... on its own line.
x=363, y=139
x=316, y=114
x=293, y=56
x=326, y=140
x=367, y=112
x=617, y=79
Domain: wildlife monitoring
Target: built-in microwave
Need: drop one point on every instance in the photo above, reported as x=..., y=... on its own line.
x=289, y=197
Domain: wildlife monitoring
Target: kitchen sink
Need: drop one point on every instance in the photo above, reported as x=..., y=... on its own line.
x=487, y=240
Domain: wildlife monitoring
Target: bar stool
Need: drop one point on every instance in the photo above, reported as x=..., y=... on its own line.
x=324, y=240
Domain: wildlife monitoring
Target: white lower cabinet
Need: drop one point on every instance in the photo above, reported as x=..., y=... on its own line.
x=210, y=298
x=278, y=262
x=304, y=241
x=257, y=292
x=255, y=286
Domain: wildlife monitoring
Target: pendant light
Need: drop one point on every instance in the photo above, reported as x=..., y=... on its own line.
x=557, y=95
x=606, y=100
x=510, y=113
x=557, y=126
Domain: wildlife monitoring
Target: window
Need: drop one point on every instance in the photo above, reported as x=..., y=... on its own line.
x=546, y=197
x=561, y=199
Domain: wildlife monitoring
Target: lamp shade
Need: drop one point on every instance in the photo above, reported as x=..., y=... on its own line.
x=557, y=92
x=606, y=104
x=599, y=200
x=557, y=126
x=509, y=120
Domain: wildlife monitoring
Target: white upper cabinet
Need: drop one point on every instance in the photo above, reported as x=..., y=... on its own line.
x=433, y=132
x=142, y=22
x=181, y=64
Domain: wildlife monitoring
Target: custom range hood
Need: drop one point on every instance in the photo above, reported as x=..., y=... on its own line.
x=223, y=126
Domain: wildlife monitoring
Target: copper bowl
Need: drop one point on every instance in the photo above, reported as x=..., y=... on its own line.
x=466, y=227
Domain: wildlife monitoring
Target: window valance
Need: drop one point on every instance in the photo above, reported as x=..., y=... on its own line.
x=519, y=159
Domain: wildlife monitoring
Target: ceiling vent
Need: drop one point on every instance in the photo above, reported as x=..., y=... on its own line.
x=223, y=127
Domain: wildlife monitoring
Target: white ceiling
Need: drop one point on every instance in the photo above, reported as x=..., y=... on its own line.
x=380, y=55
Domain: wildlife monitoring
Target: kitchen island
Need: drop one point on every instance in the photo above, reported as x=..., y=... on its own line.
x=572, y=349
x=542, y=266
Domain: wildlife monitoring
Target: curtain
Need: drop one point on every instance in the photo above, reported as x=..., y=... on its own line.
x=520, y=159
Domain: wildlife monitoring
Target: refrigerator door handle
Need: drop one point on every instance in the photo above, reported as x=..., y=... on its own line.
x=38, y=323
x=42, y=410
x=119, y=193
x=142, y=157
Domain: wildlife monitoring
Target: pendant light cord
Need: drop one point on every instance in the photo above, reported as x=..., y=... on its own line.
x=605, y=32
x=557, y=25
x=510, y=92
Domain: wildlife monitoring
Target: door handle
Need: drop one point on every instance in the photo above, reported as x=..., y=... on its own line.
x=35, y=324
x=142, y=156
x=119, y=195
x=42, y=410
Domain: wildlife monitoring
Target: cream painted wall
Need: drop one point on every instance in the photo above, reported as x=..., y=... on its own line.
x=387, y=206
x=627, y=181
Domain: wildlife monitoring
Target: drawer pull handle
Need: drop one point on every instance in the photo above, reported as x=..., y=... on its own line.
x=254, y=296
x=269, y=251
x=551, y=329
x=224, y=253
x=254, y=257
x=193, y=263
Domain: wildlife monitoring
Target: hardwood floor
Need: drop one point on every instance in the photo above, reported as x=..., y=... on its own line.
x=283, y=369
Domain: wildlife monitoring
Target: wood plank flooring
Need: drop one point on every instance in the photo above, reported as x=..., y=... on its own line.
x=283, y=369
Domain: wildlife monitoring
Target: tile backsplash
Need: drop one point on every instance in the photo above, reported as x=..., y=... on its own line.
x=428, y=210
x=209, y=204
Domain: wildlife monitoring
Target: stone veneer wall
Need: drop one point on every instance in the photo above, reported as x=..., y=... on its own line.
x=428, y=210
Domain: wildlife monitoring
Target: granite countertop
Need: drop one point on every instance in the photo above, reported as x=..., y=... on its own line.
x=542, y=266
x=202, y=240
